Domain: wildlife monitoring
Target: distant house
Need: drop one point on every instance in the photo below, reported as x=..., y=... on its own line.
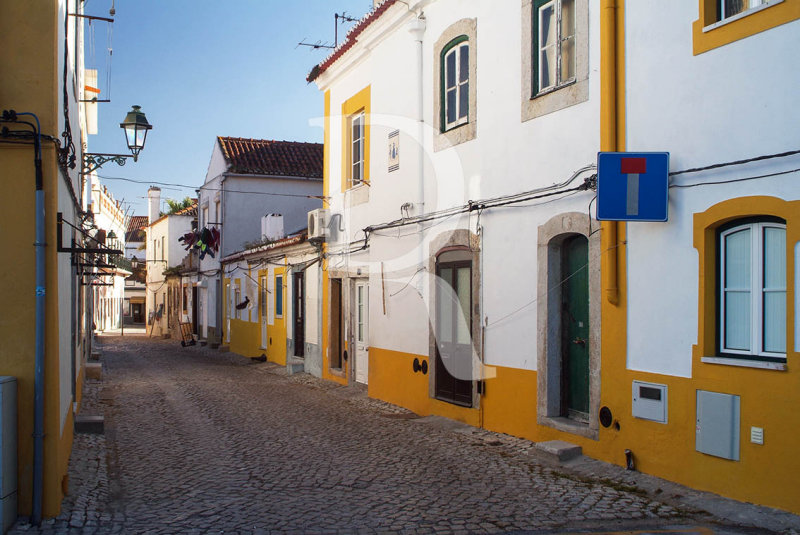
x=248, y=179
x=164, y=252
x=135, y=240
x=108, y=288
x=272, y=305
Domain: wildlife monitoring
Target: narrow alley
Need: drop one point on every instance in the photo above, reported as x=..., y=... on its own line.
x=198, y=441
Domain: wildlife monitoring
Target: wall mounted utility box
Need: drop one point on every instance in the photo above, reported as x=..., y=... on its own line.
x=650, y=401
x=717, y=424
x=8, y=452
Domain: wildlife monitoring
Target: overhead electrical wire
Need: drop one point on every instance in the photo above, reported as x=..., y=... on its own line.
x=736, y=162
x=207, y=188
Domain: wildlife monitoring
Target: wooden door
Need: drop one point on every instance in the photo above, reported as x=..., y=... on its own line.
x=262, y=288
x=575, y=328
x=453, y=380
x=336, y=349
x=299, y=313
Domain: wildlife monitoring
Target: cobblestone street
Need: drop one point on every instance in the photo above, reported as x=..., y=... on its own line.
x=198, y=441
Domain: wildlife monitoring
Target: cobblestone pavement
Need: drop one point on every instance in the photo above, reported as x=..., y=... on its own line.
x=198, y=441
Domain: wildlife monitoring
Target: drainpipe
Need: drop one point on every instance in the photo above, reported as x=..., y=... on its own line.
x=608, y=129
x=220, y=274
x=417, y=29
x=39, y=345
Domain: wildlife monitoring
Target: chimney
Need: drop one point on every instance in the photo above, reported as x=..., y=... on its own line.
x=272, y=227
x=153, y=203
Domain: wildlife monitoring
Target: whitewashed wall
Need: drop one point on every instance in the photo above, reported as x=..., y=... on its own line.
x=730, y=103
x=507, y=156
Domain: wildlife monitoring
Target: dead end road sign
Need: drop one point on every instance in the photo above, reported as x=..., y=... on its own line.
x=632, y=186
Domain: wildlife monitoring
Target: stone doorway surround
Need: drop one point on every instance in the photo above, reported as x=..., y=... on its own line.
x=551, y=235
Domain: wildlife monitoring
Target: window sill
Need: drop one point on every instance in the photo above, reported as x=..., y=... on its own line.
x=556, y=88
x=454, y=127
x=358, y=193
x=744, y=363
x=741, y=15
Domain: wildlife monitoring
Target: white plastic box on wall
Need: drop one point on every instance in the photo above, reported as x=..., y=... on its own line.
x=650, y=401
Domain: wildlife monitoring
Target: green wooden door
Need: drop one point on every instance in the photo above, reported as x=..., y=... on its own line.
x=575, y=328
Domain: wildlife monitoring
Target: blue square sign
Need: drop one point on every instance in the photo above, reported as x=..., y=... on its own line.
x=632, y=186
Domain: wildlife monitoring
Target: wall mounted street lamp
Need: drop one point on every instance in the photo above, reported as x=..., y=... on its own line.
x=135, y=126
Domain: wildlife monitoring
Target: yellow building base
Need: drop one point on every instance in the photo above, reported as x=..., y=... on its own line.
x=765, y=474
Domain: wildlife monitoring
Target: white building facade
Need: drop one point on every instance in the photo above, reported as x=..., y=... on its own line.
x=465, y=274
x=246, y=180
x=108, y=283
x=711, y=304
x=457, y=184
x=164, y=252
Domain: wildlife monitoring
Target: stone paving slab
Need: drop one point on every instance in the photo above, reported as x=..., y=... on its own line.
x=198, y=441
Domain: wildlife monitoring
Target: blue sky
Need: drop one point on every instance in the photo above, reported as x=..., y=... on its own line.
x=203, y=68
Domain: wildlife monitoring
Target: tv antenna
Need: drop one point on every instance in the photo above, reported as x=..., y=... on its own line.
x=338, y=18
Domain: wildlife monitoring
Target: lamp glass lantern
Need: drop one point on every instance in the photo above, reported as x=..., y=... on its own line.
x=136, y=127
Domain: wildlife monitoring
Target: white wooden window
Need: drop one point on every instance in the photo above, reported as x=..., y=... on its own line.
x=455, y=86
x=357, y=136
x=237, y=297
x=752, y=314
x=731, y=8
x=554, y=31
x=362, y=305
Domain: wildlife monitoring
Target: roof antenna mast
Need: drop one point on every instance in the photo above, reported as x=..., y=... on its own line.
x=338, y=18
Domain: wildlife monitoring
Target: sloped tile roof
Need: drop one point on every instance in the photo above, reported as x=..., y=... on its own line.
x=269, y=157
x=135, y=230
x=190, y=210
x=350, y=39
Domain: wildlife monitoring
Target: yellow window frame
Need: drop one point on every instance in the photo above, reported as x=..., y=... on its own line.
x=708, y=33
x=358, y=103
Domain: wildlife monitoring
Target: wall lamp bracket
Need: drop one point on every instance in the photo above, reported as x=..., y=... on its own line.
x=93, y=161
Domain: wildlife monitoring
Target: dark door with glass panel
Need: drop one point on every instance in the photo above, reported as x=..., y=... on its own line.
x=299, y=310
x=453, y=381
x=575, y=328
x=336, y=361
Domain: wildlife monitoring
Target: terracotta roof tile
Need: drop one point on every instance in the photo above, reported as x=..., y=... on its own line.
x=269, y=157
x=135, y=230
x=350, y=39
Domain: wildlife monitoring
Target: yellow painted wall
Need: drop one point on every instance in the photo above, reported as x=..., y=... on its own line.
x=392, y=379
x=509, y=405
x=29, y=59
x=245, y=338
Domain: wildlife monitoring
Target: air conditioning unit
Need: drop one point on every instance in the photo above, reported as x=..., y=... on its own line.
x=318, y=224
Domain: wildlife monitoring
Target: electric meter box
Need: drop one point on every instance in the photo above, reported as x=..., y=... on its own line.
x=650, y=401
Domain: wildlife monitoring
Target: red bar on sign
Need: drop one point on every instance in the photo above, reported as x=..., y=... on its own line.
x=633, y=166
